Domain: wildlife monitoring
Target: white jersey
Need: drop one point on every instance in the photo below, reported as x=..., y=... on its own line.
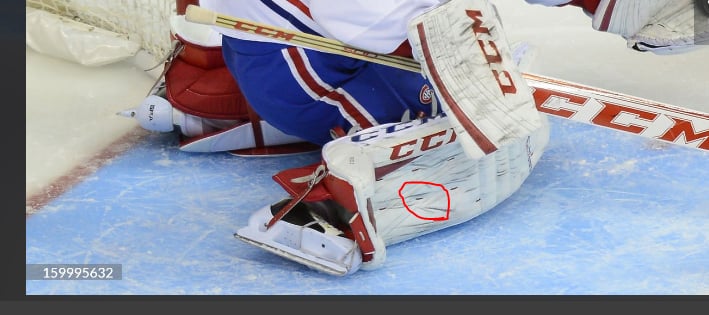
x=375, y=25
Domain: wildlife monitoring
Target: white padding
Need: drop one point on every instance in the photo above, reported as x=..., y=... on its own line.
x=466, y=56
x=198, y=34
x=56, y=36
x=627, y=17
x=675, y=28
x=418, y=179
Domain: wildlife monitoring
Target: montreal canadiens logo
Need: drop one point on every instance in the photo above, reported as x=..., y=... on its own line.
x=426, y=94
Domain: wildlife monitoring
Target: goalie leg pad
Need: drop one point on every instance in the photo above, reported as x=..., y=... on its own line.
x=414, y=178
x=391, y=183
x=465, y=54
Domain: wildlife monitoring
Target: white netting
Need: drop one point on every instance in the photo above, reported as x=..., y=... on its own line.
x=146, y=22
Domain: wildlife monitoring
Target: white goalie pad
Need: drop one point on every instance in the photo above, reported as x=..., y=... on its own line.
x=395, y=182
x=413, y=178
x=464, y=52
x=660, y=26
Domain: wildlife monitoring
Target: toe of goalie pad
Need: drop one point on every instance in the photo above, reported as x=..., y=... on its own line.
x=304, y=236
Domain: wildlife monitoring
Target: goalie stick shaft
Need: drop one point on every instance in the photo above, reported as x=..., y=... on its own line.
x=560, y=98
x=704, y=5
x=200, y=15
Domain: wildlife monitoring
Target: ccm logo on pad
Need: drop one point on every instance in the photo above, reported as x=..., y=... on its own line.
x=491, y=53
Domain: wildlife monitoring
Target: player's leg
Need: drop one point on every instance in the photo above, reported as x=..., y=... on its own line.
x=307, y=93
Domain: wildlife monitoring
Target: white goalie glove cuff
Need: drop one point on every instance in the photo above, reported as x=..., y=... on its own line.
x=468, y=60
x=658, y=26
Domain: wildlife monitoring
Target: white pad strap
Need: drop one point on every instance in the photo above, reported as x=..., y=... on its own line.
x=465, y=54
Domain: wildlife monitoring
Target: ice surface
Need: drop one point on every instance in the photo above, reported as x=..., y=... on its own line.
x=603, y=212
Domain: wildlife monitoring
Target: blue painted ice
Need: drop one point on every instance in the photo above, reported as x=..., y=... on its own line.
x=603, y=212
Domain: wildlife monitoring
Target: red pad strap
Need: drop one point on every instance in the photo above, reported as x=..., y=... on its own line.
x=589, y=6
x=359, y=232
x=335, y=189
x=285, y=179
x=404, y=50
x=313, y=180
x=258, y=132
x=205, y=57
x=343, y=193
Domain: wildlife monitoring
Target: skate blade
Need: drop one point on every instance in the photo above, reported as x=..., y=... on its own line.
x=310, y=261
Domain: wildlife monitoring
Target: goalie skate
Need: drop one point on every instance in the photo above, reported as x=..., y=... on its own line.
x=305, y=237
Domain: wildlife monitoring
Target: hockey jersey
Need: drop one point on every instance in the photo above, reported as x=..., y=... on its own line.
x=375, y=25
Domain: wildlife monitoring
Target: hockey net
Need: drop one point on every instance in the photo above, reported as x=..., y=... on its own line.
x=145, y=22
